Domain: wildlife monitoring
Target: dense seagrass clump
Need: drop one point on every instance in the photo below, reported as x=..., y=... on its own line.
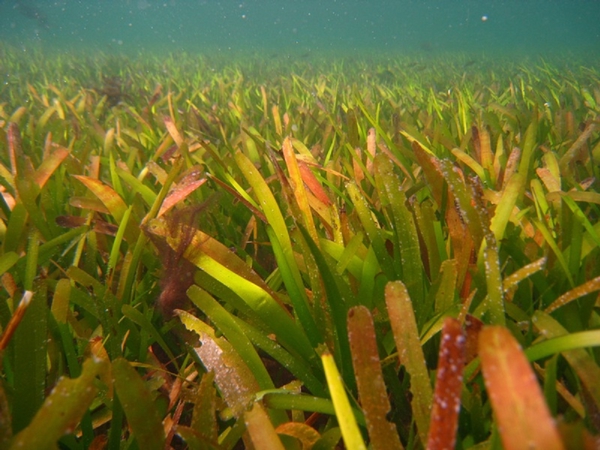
x=402, y=252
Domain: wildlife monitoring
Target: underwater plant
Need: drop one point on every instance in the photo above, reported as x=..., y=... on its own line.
x=304, y=254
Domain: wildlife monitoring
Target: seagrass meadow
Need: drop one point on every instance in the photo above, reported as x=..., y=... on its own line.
x=299, y=251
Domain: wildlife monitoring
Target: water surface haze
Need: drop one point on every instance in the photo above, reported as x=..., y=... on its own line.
x=433, y=26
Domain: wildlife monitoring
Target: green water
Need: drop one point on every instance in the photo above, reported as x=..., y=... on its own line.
x=304, y=27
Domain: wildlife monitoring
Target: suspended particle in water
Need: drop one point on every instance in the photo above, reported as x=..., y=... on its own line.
x=484, y=18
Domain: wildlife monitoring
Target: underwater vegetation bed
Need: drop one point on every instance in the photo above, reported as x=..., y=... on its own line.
x=299, y=251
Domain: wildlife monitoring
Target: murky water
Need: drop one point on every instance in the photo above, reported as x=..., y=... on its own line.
x=406, y=26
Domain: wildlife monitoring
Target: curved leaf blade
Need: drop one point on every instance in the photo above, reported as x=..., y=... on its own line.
x=524, y=420
x=136, y=400
x=62, y=410
x=369, y=379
